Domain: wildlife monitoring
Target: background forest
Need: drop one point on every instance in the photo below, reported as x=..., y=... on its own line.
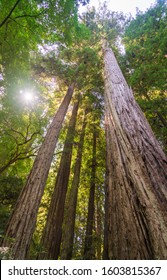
x=47, y=48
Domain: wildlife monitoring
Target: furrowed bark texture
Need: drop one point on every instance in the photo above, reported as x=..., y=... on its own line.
x=22, y=222
x=52, y=234
x=89, y=252
x=69, y=221
x=136, y=181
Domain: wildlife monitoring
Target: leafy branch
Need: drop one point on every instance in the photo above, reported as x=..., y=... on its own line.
x=19, y=156
x=26, y=151
x=10, y=13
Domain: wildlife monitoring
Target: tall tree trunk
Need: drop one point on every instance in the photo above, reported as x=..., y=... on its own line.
x=88, y=248
x=136, y=188
x=98, y=227
x=69, y=220
x=22, y=222
x=51, y=238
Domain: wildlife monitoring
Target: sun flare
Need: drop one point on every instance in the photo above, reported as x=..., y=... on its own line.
x=28, y=96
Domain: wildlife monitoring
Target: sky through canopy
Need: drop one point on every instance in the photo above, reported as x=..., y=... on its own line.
x=126, y=6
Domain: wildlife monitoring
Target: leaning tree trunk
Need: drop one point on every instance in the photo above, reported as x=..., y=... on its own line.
x=69, y=219
x=136, y=188
x=52, y=234
x=88, y=248
x=22, y=222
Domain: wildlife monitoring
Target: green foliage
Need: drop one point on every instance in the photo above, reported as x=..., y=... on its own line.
x=154, y=108
x=146, y=48
x=145, y=64
x=24, y=25
x=104, y=24
x=10, y=187
x=22, y=126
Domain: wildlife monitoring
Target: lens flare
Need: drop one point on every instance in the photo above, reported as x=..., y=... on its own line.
x=28, y=96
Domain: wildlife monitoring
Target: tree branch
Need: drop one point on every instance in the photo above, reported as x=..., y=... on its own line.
x=32, y=16
x=18, y=132
x=11, y=11
x=19, y=156
x=29, y=139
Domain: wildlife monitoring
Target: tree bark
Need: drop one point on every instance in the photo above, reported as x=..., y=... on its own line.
x=69, y=220
x=136, y=181
x=89, y=252
x=22, y=222
x=98, y=226
x=51, y=238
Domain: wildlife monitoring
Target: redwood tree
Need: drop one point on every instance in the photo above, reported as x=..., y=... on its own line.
x=136, y=182
x=52, y=234
x=88, y=248
x=23, y=219
x=69, y=219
